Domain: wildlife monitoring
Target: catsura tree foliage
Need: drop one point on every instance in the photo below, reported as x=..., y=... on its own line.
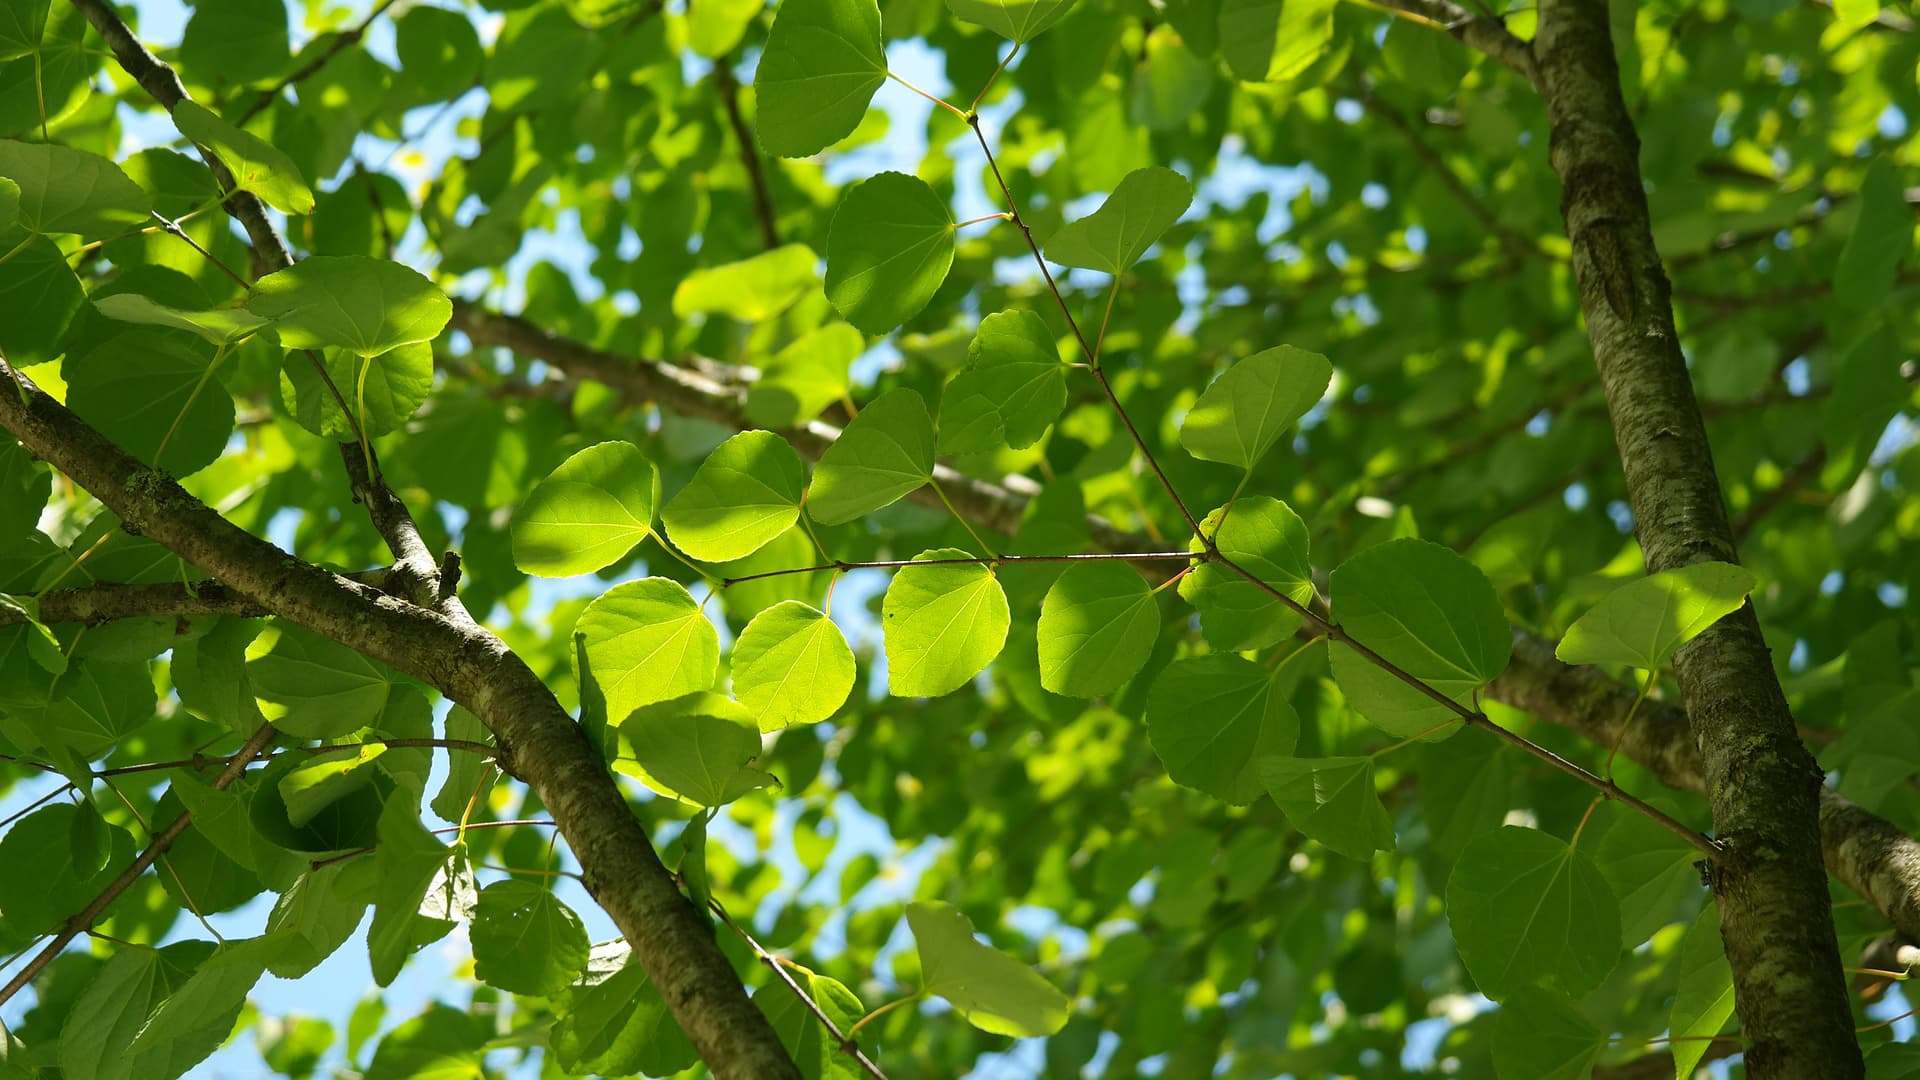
x=1227, y=537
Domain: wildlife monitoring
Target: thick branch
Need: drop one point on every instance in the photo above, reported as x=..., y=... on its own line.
x=538, y=741
x=1862, y=850
x=1762, y=783
x=690, y=393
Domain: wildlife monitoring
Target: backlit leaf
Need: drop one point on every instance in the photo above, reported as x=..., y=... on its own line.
x=752, y=289
x=354, y=302
x=587, y=514
x=1268, y=540
x=525, y=940
x=792, y=666
x=1145, y=205
x=1019, y=20
x=821, y=65
x=890, y=247
x=1011, y=391
x=648, y=641
x=72, y=191
x=697, y=747
x=256, y=165
x=1097, y=627
x=744, y=494
x=1246, y=410
x=1644, y=622
x=992, y=990
x=943, y=623
x=885, y=453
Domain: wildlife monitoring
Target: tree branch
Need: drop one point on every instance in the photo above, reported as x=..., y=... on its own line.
x=1761, y=782
x=162, y=840
x=728, y=89
x=538, y=741
x=1862, y=850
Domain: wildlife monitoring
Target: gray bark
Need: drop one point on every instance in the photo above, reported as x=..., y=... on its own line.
x=1762, y=784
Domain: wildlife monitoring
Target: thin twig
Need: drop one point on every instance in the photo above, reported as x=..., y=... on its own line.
x=162, y=840
x=843, y=1041
x=984, y=560
x=728, y=89
x=341, y=42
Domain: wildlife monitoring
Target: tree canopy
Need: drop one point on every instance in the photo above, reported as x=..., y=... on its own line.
x=920, y=538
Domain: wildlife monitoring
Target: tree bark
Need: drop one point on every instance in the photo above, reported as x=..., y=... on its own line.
x=1762, y=784
x=539, y=742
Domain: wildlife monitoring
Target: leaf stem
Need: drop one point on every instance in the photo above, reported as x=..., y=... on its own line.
x=937, y=101
x=961, y=518
x=1411, y=739
x=1620, y=737
x=884, y=1010
x=991, y=79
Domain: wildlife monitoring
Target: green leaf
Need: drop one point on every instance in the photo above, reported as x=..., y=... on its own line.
x=314, y=688
x=222, y=817
x=221, y=326
x=587, y=514
x=466, y=771
x=697, y=748
x=256, y=165
x=72, y=191
x=1018, y=20
x=1097, y=628
x=744, y=494
x=1894, y=1061
x=888, y=250
x=57, y=888
x=40, y=294
x=821, y=66
x=1011, y=391
x=238, y=40
x=1332, y=799
x=353, y=302
x=1274, y=40
x=1652, y=873
x=443, y=1043
x=884, y=454
x=1267, y=539
x=1246, y=410
x=197, y=1017
x=42, y=646
x=613, y=1022
x=807, y=1040
x=157, y=394
x=648, y=641
x=1213, y=718
x=406, y=865
x=9, y=205
x=943, y=624
x=1855, y=14
x=1526, y=908
x=310, y=788
x=715, y=27
x=22, y=24
x=1431, y=613
x=792, y=666
x=525, y=940
x=110, y=1013
x=1880, y=241
x=1145, y=204
x=346, y=824
x=311, y=920
x=1543, y=1036
x=991, y=990
x=1704, y=1001
x=383, y=392
x=1644, y=622
x=805, y=377
x=752, y=289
